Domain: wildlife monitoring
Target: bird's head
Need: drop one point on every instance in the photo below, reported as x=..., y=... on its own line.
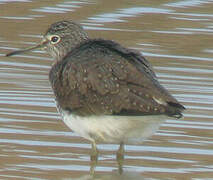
x=60, y=38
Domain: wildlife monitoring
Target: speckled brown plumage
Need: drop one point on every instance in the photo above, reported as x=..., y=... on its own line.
x=104, y=92
x=100, y=77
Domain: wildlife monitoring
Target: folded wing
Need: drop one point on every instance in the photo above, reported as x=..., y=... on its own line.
x=101, y=77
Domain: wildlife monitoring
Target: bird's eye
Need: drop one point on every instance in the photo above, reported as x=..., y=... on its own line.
x=55, y=39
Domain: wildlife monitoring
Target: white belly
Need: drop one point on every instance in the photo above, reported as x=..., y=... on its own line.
x=113, y=129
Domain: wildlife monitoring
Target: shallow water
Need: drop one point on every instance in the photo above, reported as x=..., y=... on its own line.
x=175, y=36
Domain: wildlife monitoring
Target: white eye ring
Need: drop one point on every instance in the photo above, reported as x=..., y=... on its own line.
x=54, y=39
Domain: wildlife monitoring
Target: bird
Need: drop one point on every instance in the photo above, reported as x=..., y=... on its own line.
x=105, y=92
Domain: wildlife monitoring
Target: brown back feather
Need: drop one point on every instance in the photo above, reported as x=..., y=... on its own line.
x=100, y=77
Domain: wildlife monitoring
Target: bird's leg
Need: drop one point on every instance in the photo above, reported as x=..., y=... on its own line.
x=120, y=152
x=94, y=152
x=93, y=158
x=120, y=157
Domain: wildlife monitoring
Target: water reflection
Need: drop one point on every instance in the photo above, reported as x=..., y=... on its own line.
x=125, y=13
x=64, y=7
x=114, y=175
x=9, y=1
x=187, y=3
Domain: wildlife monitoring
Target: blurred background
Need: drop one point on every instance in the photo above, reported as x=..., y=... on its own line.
x=175, y=36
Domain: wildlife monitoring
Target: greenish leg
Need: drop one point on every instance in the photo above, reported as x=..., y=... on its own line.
x=93, y=158
x=94, y=152
x=120, y=157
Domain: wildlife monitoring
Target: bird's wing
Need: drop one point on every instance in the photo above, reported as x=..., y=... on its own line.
x=102, y=77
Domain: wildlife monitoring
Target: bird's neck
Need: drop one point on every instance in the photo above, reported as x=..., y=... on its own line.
x=65, y=49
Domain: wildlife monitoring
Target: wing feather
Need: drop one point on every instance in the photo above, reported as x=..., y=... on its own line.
x=101, y=77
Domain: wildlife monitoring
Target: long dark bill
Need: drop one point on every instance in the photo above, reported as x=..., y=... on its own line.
x=25, y=50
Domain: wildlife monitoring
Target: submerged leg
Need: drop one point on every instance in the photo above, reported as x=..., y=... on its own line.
x=93, y=158
x=120, y=157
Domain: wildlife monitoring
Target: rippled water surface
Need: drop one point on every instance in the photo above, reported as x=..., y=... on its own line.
x=175, y=36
